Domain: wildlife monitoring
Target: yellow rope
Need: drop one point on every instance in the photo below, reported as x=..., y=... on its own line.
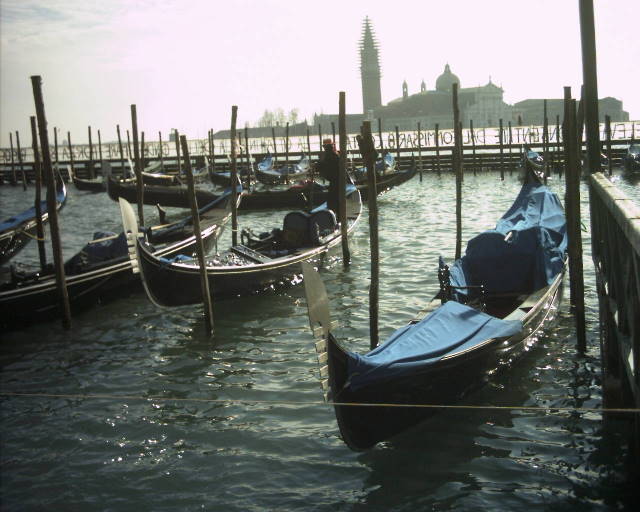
x=33, y=237
x=318, y=402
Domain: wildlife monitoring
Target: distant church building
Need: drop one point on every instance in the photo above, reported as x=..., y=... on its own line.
x=484, y=105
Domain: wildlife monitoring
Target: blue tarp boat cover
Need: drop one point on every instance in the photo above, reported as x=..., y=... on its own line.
x=526, y=261
x=21, y=218
x=451, y=327
x=523, y=253
x=110, y=247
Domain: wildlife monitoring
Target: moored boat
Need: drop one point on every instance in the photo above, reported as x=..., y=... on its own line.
x=255, y=265
x=17, y=231
x=102, y=269
x=491, y=307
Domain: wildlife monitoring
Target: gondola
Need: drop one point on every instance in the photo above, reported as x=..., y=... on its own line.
x=489, y=311
x=175, y=195
x=257, y=264
x=384, y=166
x=17, y=231
x=285, y=174
x=386, y=182
x=102, y=269
x=94, y=185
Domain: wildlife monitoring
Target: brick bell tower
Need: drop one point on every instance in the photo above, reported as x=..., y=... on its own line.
x=369, y=68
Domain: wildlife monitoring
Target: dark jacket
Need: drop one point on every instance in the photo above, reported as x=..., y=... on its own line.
x=329, y=169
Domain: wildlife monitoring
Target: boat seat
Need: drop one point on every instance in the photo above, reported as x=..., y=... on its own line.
x=321, y=224
x=295, y=229
x=250, y=254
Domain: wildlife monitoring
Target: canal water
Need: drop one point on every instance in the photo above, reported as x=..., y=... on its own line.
x=135, y=409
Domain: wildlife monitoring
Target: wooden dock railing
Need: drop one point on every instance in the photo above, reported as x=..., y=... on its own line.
x=615, y=232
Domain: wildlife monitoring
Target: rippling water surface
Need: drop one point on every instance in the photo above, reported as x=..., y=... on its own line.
x=149, y=414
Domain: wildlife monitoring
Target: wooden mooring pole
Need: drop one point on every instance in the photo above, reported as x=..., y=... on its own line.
x=275, y=145
x=22, y=171
x=590, y=81
x=58, y=262
x=342, y=178
x=137, y=165
x=437, y=137
x=397, y=147
x=420, y=151
x=366, y=144
x=501, y=138
x=607, y=127
x=121, y=152
x=160, y=150
x=71, y=165
x=99, y=149
x=457, y=168
x=37, y=169
x=90, y=163
x=14, y=178
x=204, y=280
x=380, y=135
x=234, y=178
x=545, y=141
x=472, y=134
x=178, y=152
x=572, y=207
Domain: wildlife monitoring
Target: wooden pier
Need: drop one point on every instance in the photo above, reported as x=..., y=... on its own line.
x=615, y=232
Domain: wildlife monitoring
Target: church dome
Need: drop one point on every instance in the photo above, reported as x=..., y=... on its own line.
x=445, y=81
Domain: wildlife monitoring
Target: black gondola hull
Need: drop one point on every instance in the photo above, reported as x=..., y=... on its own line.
x=445, y=383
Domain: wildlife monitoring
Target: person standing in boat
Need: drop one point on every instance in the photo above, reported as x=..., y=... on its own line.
x=329, y=168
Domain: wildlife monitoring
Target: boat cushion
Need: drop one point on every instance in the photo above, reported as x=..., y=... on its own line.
x=450, y=328
x=295, y=229
x=321, y=224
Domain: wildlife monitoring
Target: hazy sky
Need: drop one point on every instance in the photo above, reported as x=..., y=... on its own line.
x=185, y=63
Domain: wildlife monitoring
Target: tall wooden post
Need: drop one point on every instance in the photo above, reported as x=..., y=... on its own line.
x=558, y=145
x=22, y=171
x=473, y=146
x=572, y=157
x=143, y=163
x=234, y=178
x=333, y=130
x=91, y=170
x=99, y=149
x=160, y=150
x=61, y=281
x=367, y=151
x=607, y=127
x=342, y=178
x=545, y=140
x=248, y=155
x=178, y=152
x=37, y=168
x=510, y=150
x=137, y=166
x=308, y=144
x=275, y=145
x=55, y=149
x=590, y=81
x=397, y=147
x=380, y=135
x=457, y=164
x=71, y=164
x=122, y=168
x=286, y=142
x=14, y=178
x=420, y=150
x=193, y=202
x=437, y=137
x=129, y=156
x=320, y=137
x=501, y=139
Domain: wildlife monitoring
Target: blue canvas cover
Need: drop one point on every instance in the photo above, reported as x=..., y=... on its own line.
x=27, y=215
x=523, y=253
x=110, y=248
x=450, y=328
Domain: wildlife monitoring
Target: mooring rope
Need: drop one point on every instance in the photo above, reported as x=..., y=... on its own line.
x=318, y=402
